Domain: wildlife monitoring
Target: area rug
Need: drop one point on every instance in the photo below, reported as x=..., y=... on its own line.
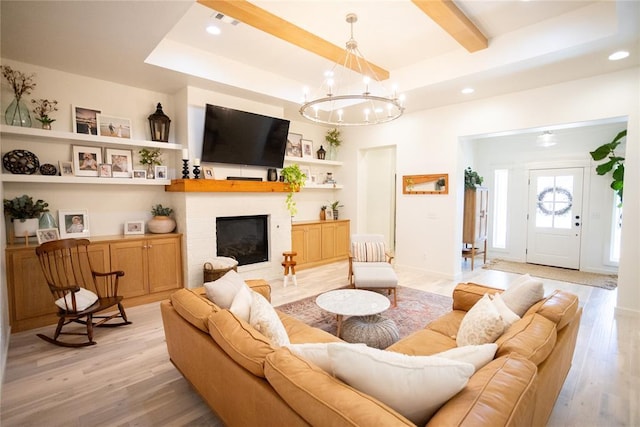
x=555, y=273
x=414, y=310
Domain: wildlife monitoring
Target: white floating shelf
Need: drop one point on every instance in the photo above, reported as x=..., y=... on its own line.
x=52, y=179
x=322, y=187
x=310, y=161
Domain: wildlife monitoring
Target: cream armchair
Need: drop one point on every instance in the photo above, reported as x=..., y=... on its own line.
x=370, y=264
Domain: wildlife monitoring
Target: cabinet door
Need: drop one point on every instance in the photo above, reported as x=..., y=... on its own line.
x=131, y=257
x=298, y=243
x=29, y=294
x=342, y=239
x=164, y=264
x=329, y=240
x=313, y=239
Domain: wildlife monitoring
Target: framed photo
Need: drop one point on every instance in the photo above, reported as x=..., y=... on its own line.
x=121, y=162
x=294, y=145
x=139, y=174
x=117, y=127
x=65, y=168
x=134, y=227
x=314, y=178
x=86, y=160
x=73, y=224
x=307, y=171
x=207, y=171
x=84, y=120
x=104, y=170
x=47, y=235
x=161, y=172
x=307, y=148
x=328, y=213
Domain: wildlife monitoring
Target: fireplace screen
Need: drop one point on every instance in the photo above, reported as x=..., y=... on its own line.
x=244, y=238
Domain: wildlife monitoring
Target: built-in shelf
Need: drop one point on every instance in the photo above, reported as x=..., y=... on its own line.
x=6, y=177
x=92, y=140
x=225, y=186
x=322, y=187
x=311, y=161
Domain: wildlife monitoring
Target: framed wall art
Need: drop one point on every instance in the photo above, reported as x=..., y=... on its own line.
x=207, y=171
x=121, y=162
x=426, y=184
x=47, y=235
x=117, y=127
x=84, y=120
x=104, y=170
x=86, y=160
x=307, y=148
x=65, y=168
x=134, y=227
x=73, y=223
x=294, y=145
x=161, y=172
x=139, y=174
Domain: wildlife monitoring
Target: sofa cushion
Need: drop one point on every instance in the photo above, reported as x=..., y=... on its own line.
x=316, y=353
x=482, y=324
x=395, y=378
x=477, y=355
x=448, y=324
x=424, y=342
x=84, y=299
x=321, y=399
x=560, y=307
x=465, y=295
x=240, y=341
x=368, y=252
x=523, y=293
x=193, y=308
x=300, y=332
x=266, y=321
x=223, y=290
x=534, y=337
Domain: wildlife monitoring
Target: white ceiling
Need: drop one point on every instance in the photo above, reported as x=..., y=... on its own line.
x=163, y=46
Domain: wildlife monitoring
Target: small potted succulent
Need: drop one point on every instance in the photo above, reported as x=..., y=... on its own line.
x=161, y=222
x=334, y=207
x=27, y=212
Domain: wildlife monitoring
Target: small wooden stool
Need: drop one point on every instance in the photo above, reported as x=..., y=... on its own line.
x=289, y=267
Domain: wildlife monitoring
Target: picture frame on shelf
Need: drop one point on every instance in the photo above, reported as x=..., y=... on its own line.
x=73, y=223
x=208, y=173
x=104, y=170
x=47, y=235
x=116, y=127
x=65, y=168
x=328, y=214
x=121, y=162
x=160, y=172
x=134, y=227
x=307, y=149
x=294, y=145
x=139, y=174
x=307, y=171
x=86, y=160
x=314, y=179
x=84, y=120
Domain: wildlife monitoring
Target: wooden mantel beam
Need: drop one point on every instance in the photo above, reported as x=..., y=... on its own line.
x=451, y=19
x=263, y=20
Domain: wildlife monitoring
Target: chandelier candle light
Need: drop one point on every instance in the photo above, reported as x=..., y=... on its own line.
x=349, y=99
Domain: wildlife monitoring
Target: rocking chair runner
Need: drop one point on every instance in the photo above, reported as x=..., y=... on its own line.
x=67, y=269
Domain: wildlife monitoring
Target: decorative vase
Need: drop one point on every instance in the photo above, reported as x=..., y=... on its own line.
x=46, y=125
x=47, y=221
x=335, y=214
x=323, y=214
x=28, y=227
x=150, y=172
x=161, y=224
x=17, y=114
x=333, y=152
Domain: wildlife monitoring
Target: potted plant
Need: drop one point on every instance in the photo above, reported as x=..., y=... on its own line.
x=150, y=158
x=296, y=179
x=334, y=207
x=27, y=211
x=471, y=179
x=161, y=222
x=614, y=165
x=42, y=109
x=334, y=139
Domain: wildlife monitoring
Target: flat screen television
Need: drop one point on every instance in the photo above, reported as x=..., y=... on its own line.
x=242, y=138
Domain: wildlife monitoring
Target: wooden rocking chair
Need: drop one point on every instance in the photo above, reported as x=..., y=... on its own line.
x=79, y=291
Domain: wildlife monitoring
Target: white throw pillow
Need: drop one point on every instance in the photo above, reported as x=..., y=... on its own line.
x=266, y=321
x=522, y=294
x=241, y=305
x=508, y=316
x=477, y=355
x=415, y=386
x=481, y=325
x=84, y=299
x=222, y=291
x=317, y=353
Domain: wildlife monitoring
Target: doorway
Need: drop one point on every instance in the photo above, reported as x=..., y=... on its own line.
x=555, y=217
x=378, y=177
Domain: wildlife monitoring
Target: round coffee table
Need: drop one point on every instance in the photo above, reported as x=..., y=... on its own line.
x=352, y=302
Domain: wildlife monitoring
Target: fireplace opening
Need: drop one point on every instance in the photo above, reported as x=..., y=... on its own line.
x=244, y=238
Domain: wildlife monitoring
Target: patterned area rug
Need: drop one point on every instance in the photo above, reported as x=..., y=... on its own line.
x=414, y=310
x=555, y=273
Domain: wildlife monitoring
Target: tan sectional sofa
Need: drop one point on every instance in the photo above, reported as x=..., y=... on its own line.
x=247, y=381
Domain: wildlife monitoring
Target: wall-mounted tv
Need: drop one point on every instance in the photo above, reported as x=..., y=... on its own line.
x=242, y=138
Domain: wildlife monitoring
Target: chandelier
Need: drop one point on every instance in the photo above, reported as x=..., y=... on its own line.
x=351, y=94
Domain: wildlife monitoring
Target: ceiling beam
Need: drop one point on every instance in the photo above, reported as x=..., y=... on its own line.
x=451, y=19
x=263, y=20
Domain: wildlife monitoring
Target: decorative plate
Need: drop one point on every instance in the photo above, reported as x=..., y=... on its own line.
x=48, y=169
x=21, y=162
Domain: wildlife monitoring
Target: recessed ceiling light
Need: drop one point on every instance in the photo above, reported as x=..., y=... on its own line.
x=212, y=29
x=468, y=90
x=621, y=54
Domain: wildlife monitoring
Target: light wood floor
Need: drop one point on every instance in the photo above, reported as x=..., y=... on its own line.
x=127, y=379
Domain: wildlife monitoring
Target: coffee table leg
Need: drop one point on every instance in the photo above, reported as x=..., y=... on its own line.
x=339, y=324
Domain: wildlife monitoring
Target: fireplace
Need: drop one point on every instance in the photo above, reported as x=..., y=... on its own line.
x=244, y=238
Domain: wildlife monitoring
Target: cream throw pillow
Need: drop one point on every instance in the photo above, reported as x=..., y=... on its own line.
x=477, y=355
x=317, y=353
x=84, y=299
x=241, y=305
x=223, y=291
x=508, y=316
x=266, y=321
x=481, y=325
x=522, y=294
x=415, y=386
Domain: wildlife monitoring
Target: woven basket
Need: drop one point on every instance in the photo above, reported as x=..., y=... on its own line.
x=211, y=274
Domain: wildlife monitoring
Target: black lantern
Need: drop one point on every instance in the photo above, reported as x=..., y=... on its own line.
x=321, y=153
x=159, y=123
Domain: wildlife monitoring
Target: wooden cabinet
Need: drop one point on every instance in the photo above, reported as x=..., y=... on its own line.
x=475, y=223
x=151, y=274
x=320, y=242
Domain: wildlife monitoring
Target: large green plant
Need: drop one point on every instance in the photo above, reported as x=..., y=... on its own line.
x=614, y=164
x=296, y=179
x=24, y=207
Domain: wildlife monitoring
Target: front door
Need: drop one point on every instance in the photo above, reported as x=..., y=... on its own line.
x=555, y=217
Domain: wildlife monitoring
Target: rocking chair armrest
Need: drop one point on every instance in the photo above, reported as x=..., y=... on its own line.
x=118, y=273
